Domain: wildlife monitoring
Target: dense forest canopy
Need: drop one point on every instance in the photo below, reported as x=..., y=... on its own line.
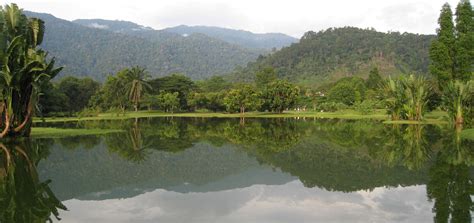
x=239, y=37
x=325, y=56
x=92, y=52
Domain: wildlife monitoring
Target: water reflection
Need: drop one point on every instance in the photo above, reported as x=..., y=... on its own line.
x=187, y=161
x=23, y=197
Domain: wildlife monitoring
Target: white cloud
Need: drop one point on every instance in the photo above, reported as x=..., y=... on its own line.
x=98, y=26
x=291, y=202
x=293, y=17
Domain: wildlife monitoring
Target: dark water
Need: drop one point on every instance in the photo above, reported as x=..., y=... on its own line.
x=231, y=170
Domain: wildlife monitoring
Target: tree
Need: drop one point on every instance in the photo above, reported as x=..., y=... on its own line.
x=169, y=102
x=348, y=91
x=78, y=91
x=241, y=98
x=114, y=93
x=452, y=55
x=464, y=44
x=214, y=84
x=215, y=101
x=280, y=95
x=23, y=69
x=265, y=76
x=174, y=83
x=137, y=83
x=442, y=49
x=375, y=80
x=197, y=100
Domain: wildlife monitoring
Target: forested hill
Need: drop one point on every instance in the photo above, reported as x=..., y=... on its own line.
x=328, y=55
x=96, y=52
x=239, y=37
x=242, y=38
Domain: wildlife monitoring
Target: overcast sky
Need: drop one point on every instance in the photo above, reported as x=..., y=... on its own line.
x=292, y=17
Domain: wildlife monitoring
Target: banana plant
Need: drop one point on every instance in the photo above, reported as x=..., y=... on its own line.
x=23, y=196
x=23, y=69
x=456, y=97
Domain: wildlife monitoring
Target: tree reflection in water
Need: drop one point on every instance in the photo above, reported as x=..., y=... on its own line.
x=450, y=185
x=23, y=197
x=335, y=155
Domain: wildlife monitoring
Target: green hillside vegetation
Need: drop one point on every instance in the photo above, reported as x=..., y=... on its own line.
x=238, y=37
x=92, y=52
x=326, y=56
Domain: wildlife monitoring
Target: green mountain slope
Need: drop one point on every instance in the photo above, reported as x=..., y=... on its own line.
x=239, y=37
x=96, y=52
x=335, y=53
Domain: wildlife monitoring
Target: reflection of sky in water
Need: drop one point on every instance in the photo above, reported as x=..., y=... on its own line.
x=291, y=202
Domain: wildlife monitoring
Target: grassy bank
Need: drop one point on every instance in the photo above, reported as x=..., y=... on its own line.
x=41, y=132
x=435, y=117
x=347, y=114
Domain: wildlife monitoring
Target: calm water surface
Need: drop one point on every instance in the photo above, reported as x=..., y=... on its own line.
x=252, y=170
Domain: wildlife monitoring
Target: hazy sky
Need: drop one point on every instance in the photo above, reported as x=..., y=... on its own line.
x=293, y=17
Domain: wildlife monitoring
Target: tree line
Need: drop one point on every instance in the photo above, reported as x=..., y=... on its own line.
x=26, y=72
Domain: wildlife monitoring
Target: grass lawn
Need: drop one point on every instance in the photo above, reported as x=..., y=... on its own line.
x=42, y=132
x=431, y=118
x=347, y=114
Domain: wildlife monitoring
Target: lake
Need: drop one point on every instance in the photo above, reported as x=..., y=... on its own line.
x=241, y=170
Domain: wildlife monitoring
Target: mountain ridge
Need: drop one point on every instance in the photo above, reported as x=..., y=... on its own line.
x=328, y=55
x=95, y=53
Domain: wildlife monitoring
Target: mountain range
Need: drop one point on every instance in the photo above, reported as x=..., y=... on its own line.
x=97, y=47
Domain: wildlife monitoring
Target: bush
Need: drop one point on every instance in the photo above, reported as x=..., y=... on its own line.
x=89, y=112
x=367, y=107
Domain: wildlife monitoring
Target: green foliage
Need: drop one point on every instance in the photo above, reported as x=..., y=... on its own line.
x=214, y=84
x=452, y=55
x=407, y=97
x=441, y=62
x=23, y=196
x=215, y=101
x=168, y=102
x=375, y=80
x=464, y=45
x=242, y=38
x=457, y=99
x=78, y=92
x=174, y=83
x=241, y=99
x=265, y=76
x=279, y=96
x=367, y=106
x=340, y=52
x=113, y=93
x=137, y=84
x=348, y=91
x=23, y=70
x=94, y=53
x=52, y=102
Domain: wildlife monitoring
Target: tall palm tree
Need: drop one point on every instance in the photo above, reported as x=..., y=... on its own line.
x=23, y=69
x=137, y=78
